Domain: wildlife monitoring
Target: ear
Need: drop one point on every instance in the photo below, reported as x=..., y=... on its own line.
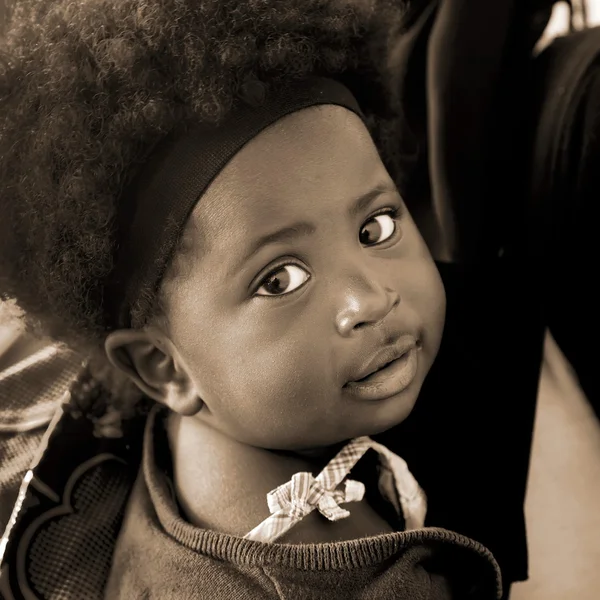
x=150, y=363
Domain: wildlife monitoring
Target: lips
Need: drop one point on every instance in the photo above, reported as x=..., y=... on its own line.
x=383, y=358
x=388, y=373
x=369, y=376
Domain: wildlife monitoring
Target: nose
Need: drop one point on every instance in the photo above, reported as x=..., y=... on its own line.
x=365, y=303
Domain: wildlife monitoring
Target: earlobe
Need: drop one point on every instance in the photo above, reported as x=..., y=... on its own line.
x=152, y=369
x=183, y=400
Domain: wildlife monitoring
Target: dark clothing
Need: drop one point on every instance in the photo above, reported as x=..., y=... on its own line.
x=488, y=393
x=511, y=185
x=160, y=555
x=463, y=71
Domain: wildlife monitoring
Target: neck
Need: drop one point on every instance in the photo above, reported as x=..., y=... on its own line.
x=211, y=469
x=222, y=484
x=314, y=458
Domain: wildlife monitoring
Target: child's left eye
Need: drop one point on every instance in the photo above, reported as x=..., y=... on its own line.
x=283, y=281
x=377, y=229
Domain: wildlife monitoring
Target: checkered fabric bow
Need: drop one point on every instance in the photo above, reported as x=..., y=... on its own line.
x=303, y=493
x=291, y=502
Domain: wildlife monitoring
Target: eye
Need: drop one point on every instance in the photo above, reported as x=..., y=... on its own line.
x=377, y=229
x=283, y=281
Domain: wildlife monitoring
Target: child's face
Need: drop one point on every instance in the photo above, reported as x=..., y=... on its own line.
x=295, y=287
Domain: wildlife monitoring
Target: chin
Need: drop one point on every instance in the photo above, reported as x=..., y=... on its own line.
x=388, y=413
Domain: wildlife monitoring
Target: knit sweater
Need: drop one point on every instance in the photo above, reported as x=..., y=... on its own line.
x=159, y=554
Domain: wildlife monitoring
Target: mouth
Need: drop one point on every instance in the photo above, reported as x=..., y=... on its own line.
x=372, y=376
x=389, y=374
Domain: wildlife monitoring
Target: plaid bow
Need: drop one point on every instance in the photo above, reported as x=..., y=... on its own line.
x=291, y=502
x=303, y=493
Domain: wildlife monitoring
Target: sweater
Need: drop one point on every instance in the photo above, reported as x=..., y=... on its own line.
x=160, y=555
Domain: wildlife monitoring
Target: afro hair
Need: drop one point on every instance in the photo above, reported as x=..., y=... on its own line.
x=87, y=87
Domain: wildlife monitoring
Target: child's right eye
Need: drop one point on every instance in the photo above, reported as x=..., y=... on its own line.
x=283, y=280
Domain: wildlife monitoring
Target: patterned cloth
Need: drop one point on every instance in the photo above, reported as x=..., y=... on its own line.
x=30, y=392
x=292, y=501
x=64, y=517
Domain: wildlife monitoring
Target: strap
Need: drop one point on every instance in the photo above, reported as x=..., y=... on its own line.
x=291, y=502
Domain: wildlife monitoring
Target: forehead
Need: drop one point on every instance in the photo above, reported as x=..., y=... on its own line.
x=319, y=153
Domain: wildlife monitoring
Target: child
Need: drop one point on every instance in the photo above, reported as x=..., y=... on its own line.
x=193, y=189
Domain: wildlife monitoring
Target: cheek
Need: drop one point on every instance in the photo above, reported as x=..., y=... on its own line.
x=438, y=307
x=273, y=398
x=430, y=301
x=424, y=291
x=257, y=368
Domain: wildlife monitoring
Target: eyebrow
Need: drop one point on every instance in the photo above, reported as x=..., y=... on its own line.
x=304, y=228
x=362, y=202
x=286, y=234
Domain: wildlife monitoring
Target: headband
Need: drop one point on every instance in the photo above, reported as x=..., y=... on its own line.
x=157, y=204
